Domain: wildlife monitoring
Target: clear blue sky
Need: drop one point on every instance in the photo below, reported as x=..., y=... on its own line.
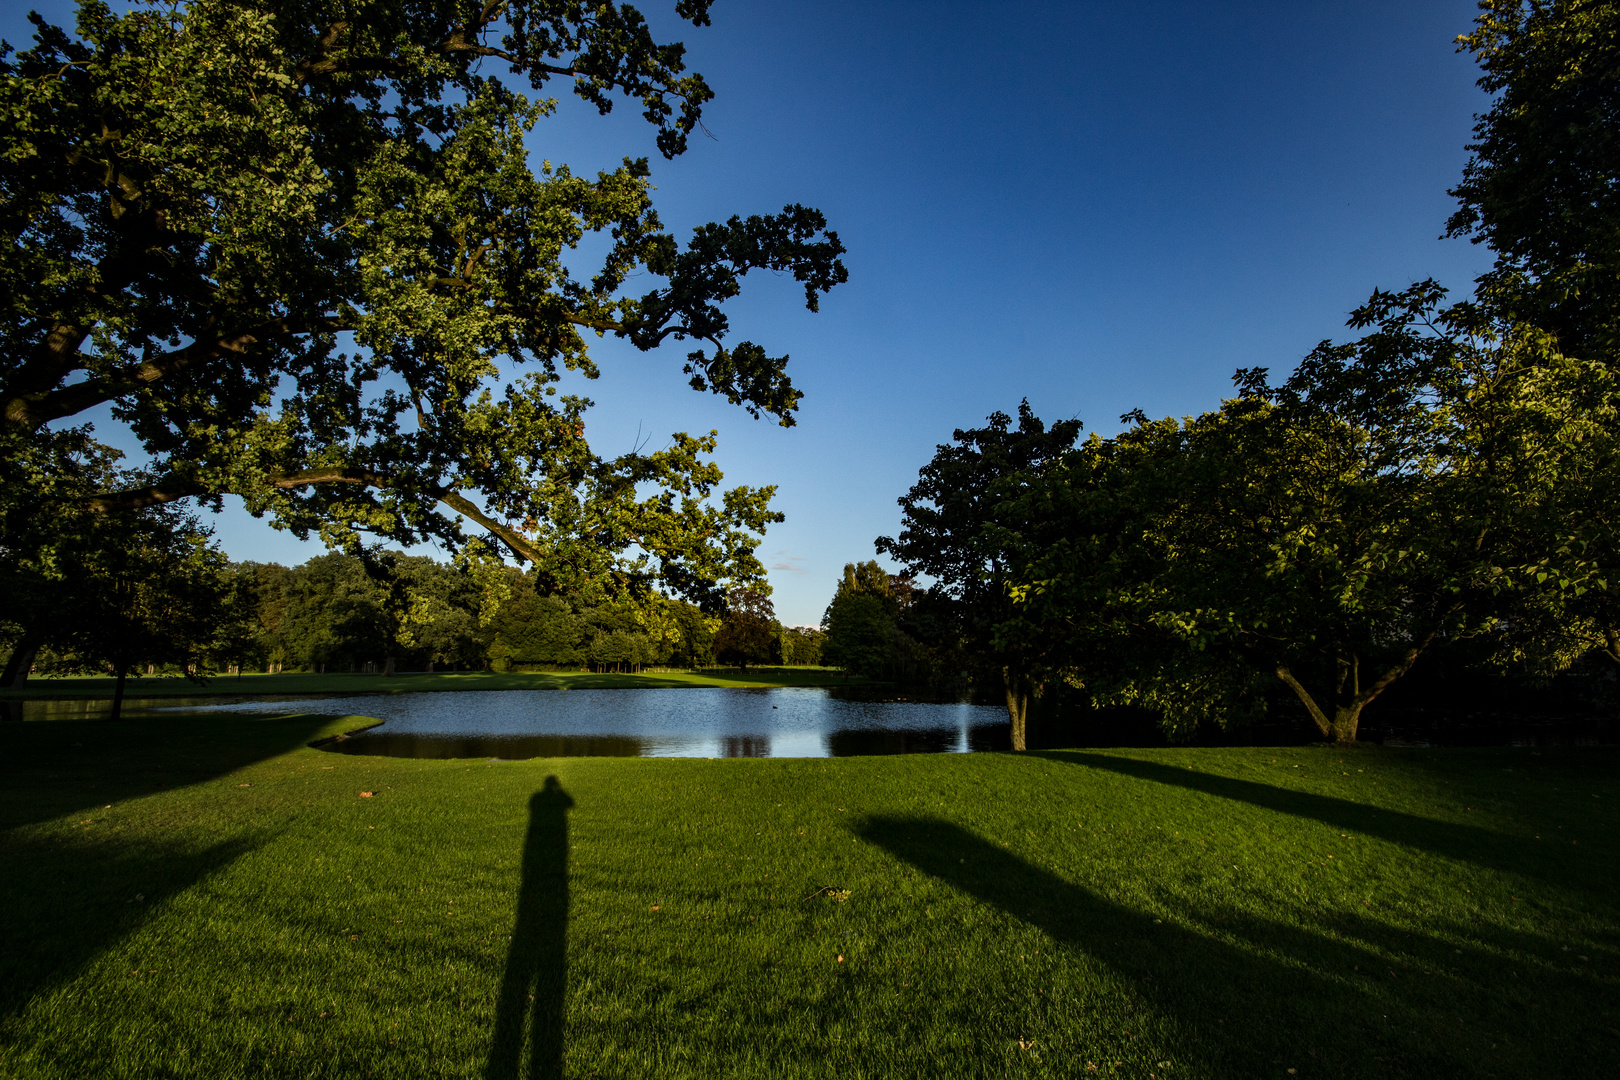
x=1095, y=206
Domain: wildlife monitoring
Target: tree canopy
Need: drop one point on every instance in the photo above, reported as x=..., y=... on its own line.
x=1542, y=187
x=303, y=252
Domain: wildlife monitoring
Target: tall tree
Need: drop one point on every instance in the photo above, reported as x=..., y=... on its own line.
x=747, y=633
x=301, y=251
x=967, y=527
x=1542, y=187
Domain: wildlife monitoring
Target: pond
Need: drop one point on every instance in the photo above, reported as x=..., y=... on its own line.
x=697, y=722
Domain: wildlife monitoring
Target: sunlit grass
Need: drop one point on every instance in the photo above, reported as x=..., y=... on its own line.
x=1145, y=913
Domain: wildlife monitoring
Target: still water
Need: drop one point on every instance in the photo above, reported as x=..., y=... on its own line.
x=697, y=722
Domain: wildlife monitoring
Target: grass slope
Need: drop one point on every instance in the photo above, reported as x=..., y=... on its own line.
x=85, y=686
x=210, y=898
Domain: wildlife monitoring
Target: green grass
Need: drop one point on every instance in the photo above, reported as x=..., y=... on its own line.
x=82, y=686
x=210, y=898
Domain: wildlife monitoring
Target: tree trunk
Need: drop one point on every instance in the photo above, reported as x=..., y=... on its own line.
x=1018, y=695
x=118, y=696
x=1352, y=697
x=388, y=666
x=22, y=659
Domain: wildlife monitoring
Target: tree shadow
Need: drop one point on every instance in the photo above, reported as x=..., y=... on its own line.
x=55, y=767
x=66, y=903
x=533, y=993
x=1467, y=843
x=1281, y=996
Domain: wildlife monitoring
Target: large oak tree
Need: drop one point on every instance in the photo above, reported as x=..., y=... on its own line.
x=301, y=249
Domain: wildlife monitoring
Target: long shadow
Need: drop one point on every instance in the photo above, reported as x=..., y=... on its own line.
x=68, y=899
x=1291, y=999
x=55, y=767
x=66, y=903
x=1468, y=843
x=535, y=985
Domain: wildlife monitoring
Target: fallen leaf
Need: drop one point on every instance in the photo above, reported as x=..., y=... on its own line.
x=366, y=794
x=655, y=907
x=840, y=959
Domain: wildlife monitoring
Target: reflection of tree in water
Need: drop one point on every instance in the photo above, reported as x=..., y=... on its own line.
x=855, y=742
x=745, y=746
x=535, y=985
x=497, y=746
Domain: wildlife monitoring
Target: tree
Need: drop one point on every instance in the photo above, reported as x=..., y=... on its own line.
x=862, y=622
x=156, y=597
x=1326, y=532
x=748, y=632
x=967, y=528
x=1542, y=188
x=537, y=630
x=801, y=645
x=333, y=614
x=293, y=246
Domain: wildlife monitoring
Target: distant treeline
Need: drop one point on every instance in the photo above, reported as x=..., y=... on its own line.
x=396, y=612
x=334, y=614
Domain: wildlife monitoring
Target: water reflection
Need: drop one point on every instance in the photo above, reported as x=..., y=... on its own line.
x=35, y=709
x=698, y=722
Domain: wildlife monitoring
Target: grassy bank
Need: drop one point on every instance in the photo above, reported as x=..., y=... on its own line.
x=210, y=898
x=81, y=686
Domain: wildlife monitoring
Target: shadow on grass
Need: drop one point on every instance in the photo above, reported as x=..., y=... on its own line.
x=535, y=986
x=1283, y=997
x=57, y=767
x=1467, y=843
x=67, y=902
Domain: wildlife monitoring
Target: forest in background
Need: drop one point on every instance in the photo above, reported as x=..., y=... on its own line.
x=392, y=612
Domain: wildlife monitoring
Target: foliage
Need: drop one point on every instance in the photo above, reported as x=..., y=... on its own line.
x=866, y=626
x=968, y=527
x=801, y=645
x=749, y=631
x=302, y=253
x=1542, y=188
x=150, y=594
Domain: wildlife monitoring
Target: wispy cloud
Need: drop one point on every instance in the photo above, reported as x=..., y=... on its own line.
x=788, y=561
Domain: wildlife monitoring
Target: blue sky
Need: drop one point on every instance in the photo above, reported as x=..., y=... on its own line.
x=1095, y=206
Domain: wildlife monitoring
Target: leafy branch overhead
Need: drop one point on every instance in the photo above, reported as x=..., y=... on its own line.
x=302, y=252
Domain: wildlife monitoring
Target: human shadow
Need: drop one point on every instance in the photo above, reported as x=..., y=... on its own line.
x=533, y=995
x=1467, y=843
x=1280, y=995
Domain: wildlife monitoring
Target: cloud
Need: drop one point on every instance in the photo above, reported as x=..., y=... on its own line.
x=789, y=562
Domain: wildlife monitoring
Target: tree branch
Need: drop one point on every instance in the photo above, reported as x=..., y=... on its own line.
x=30, y=410
x=1317, y=716
x=172, y=490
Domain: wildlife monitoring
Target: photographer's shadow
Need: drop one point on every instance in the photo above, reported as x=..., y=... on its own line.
x=533, y=1000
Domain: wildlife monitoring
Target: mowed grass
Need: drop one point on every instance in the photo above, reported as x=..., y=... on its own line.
x=89, y=686
x=211, y=898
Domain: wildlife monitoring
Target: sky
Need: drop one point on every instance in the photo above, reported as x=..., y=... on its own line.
x=1097, y=207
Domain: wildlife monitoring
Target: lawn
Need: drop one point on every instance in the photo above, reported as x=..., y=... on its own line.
x=211, y=898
